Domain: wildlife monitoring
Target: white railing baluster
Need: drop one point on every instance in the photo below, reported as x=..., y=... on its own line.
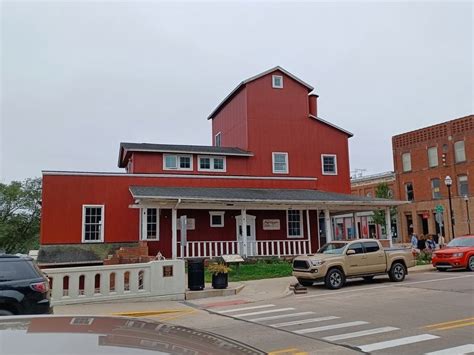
x=299, y=247
x=304, y=247
x=284, y=248
x=273, y=247
x=210, y=249
x=278, y=248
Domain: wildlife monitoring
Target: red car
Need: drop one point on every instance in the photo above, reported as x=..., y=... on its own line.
x=458, y=254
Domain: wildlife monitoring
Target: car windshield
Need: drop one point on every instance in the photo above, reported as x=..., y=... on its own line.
x=332, y=248
x=461, y=242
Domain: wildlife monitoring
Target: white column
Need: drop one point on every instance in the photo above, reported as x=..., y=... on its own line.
x=328, y=226
x=174, y=234
x=308, y=225
x=244, y=231
x=388, y=225
x=356, y=230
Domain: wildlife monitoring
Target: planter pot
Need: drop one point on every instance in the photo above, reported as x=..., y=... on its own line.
x=220, y=281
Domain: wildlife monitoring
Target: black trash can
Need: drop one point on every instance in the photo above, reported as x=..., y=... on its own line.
x=196, y=274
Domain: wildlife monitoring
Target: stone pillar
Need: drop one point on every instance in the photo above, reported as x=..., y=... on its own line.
x=328, y=226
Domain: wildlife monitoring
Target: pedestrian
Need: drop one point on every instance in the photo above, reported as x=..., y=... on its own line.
x=422, y=243
x=430, y=244
x=414, y=241
x=441, y=242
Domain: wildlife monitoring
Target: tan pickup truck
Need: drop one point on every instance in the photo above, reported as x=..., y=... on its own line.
x=339, y=260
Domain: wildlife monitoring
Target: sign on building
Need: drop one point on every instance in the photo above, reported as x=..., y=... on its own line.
x=271, y=224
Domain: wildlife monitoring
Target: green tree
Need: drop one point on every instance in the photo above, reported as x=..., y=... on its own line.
x=383, y=191
x=20, y=209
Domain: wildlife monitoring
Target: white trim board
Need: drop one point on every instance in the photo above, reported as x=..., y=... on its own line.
x=184, y=176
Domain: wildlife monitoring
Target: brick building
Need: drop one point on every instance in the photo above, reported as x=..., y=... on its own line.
x=366, y=186
x=422, y=160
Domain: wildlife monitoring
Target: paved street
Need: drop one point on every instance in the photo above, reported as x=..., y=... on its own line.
x=429, y=313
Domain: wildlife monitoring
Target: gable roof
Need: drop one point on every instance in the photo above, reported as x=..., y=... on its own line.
x=245, y=82
x=331, y=125
x=126, y=147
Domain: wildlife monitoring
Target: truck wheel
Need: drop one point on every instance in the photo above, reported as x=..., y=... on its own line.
x=397, y=272
x=4, y=312
x=306, y=283
x=334, y=279
x=470, y=264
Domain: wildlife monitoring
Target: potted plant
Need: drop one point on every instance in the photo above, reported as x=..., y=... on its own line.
x=219, y=275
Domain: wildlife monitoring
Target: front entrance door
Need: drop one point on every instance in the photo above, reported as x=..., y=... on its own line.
x=251, y=245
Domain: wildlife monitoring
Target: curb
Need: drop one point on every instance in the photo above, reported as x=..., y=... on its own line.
x=424, y=268
x=149, y=313
x=207, y=293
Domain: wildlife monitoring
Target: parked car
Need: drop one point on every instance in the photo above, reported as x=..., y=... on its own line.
x=337, y=261
x=84, y=335
x=24, y=289
x=458, y=254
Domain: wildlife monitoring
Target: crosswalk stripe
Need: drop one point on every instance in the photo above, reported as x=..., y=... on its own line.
x=303, y=321
x=329, y=327
x=397, y=342
x=360, y=334
x=263, y=312
x=458, y=350
x=281, y=316
x=246, y=308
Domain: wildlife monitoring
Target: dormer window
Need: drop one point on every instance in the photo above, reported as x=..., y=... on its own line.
x=209, y=163
x=277, y=81
x=177, y=162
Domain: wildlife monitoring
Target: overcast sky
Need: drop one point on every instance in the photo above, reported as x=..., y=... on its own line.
x=79, y=77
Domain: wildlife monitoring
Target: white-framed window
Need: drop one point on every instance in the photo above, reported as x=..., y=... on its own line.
x=177, y=162
x=93, y=223
x=217, y=139
x=150, y=224
x=210, y=163
x=280, y=162
x=277, y=81
x=463, y=186
x=459, y=152
x=329, y=164
x=406, y=162
x=294, y=224
x=435, y=191
x=216, y=218
x=433, y=157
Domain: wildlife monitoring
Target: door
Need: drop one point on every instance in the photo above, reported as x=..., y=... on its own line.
x=356, y=263
x=375, y=257
x=251, y=237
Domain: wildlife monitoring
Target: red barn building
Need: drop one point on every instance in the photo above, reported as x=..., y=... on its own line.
x=269, y=185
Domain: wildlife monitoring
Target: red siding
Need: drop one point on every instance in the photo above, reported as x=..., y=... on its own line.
x=63, y=197
x=232, y=122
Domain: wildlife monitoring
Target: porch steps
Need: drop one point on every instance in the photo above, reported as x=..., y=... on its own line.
x=211, y=292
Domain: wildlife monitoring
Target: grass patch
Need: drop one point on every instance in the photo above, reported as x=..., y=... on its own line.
x=423, y=259
x=262, y=269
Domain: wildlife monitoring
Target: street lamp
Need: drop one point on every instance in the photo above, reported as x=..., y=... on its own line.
x=466, y=198
x=448, y=182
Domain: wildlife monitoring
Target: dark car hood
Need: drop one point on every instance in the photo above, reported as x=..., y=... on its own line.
x=55, y=335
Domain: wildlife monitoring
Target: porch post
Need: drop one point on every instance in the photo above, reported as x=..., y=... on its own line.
x=244, y=231
x=328, y=226
x=388, y=225
x=174, y=234
x=356, y=230
x=308, y=225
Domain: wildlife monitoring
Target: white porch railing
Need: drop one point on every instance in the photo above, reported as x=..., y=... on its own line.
x=164, y=279
x=212, y=249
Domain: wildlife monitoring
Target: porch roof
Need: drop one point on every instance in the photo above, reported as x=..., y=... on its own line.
x=253, y=197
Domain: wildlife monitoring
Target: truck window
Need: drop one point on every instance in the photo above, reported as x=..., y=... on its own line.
x=357, y=247
x=371, y=247
x=17, y=270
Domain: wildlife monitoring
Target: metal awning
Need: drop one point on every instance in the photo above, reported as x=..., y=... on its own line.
x=250, y=198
